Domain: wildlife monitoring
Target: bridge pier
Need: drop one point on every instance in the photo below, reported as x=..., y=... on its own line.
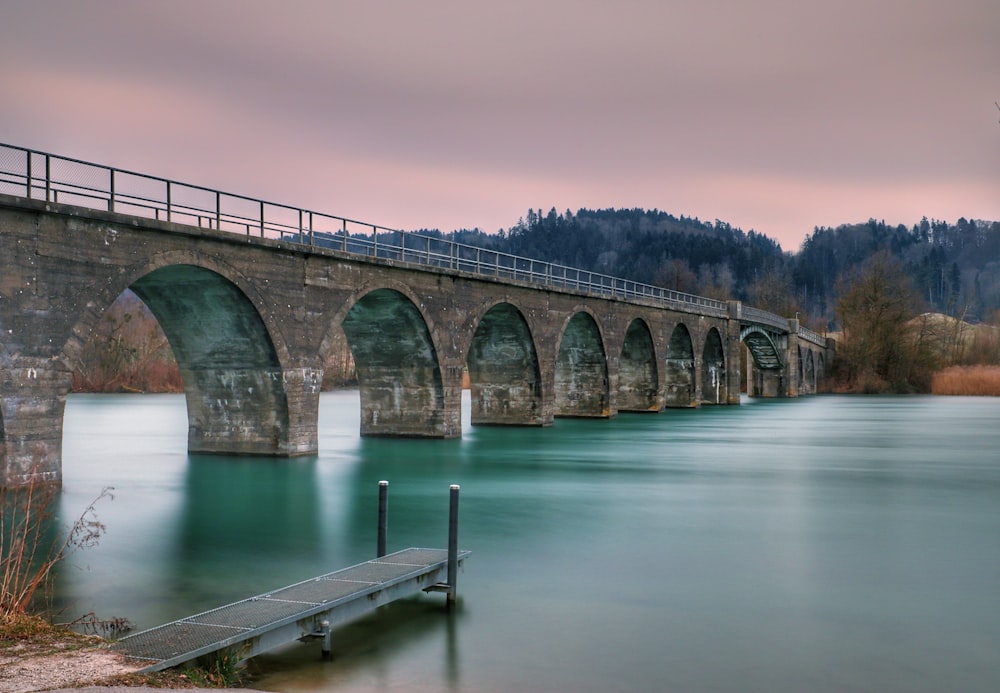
x=408, y=401
x=252, y=411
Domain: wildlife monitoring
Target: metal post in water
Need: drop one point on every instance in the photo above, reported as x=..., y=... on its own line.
x=383, y=511
x=453, y=545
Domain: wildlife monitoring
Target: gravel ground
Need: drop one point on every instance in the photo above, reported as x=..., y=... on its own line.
x=22, y=671
x=25, y=670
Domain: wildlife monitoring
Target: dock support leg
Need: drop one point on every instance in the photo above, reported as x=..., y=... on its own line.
x=325, y=630
x=383, y=512
x=453, y=545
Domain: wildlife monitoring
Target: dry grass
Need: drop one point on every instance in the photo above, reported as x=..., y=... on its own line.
x=967, y=380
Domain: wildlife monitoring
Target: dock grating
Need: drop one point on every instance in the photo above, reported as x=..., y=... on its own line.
x=232, y=624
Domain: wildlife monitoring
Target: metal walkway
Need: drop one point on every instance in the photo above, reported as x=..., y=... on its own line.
x=303, y=610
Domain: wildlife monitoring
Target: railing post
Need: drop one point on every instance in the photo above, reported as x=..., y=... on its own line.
x=383, y=516
x=218, y=211
x=168, y=201
x=48, y=178
x=453, y=544
x=375, y=241
x=262, y=218
x=111, y=199
x=345, y=234
x=310, y=229
x=27, y=169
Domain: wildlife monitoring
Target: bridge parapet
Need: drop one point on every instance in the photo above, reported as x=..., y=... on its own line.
x=43, y=176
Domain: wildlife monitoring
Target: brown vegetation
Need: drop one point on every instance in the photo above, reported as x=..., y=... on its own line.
x=967, y=380
x=32, y=545
x=128, y=352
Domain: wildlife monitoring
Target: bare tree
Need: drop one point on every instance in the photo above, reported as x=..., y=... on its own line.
x=881, y=351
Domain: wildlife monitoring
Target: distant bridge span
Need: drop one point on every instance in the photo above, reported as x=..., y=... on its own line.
x=253, y=297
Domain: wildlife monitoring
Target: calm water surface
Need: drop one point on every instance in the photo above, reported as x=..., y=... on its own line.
x=821, y=544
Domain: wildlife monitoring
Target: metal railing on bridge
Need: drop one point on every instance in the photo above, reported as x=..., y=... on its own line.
x=58, y=179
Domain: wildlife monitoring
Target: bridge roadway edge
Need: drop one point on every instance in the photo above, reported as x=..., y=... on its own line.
x=64, y=265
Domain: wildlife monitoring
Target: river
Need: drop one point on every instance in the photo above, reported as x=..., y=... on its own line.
x=827, y=543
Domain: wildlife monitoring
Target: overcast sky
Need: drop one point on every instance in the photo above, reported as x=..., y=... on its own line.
x=774, y=115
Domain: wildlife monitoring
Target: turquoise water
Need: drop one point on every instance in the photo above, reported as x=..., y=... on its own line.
x=825, y=543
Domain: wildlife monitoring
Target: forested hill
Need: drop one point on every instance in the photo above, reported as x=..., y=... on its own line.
x=649, y=246
x=956, y=267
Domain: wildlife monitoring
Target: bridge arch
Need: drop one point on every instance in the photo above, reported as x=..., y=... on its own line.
x=108, y=292
x=504, y=373
x=714, y=389
x=581, y=369
x=399, y=374
x=680, y=373
x=638, y=375
x=762, y=348
x=234, y=384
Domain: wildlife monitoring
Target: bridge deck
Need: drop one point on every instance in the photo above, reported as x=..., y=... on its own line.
x=305, y=609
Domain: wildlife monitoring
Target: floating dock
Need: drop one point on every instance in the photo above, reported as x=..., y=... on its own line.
x=308, y=609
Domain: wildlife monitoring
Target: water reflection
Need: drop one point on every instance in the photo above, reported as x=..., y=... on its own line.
x=366, y=652
x=240, y=519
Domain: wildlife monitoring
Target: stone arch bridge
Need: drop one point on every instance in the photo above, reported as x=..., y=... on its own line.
x=253, y=296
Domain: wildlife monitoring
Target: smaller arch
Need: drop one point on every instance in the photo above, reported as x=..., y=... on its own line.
x=638, y=375
x=399, y=374
x=505, y=378
x=714, y=388
x=581, y=370
x=765, y=354
x=680, y=373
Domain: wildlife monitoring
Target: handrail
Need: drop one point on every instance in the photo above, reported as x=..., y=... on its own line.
x=53, y=178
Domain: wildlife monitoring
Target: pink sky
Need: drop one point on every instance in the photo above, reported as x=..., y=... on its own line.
x=776, y=116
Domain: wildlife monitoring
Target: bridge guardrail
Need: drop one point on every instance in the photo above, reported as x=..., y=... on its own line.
x=53, y=178
x=810, y=336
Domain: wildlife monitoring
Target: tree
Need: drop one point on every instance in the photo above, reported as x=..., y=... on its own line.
x=881, y=350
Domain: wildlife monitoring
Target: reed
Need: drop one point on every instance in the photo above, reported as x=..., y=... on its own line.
x=967, y=380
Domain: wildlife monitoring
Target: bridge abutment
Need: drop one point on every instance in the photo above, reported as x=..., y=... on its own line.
x=32, y=403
